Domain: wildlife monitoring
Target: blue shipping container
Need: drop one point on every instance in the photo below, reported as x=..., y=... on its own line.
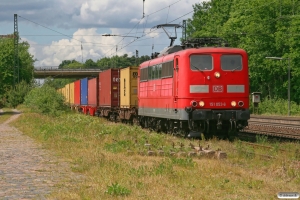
x=84, y=91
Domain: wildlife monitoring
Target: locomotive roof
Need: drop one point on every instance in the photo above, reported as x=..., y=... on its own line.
x=167, y=57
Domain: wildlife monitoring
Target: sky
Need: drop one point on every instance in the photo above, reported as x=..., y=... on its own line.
x=60, y=30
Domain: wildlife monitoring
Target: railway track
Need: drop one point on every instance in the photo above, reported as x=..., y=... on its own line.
x=283, y=127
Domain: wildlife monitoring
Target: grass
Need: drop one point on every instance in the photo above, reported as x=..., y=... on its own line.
x=99, y=150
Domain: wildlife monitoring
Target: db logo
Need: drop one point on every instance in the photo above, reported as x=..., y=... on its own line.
x=217, y=88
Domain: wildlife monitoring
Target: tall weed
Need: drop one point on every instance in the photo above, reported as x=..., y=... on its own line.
x=45, y=100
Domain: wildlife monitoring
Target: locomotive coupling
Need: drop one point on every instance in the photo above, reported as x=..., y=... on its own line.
x=188, y=109
x=219, y=124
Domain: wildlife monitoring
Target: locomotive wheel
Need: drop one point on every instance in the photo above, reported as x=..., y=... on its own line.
x=232, y=135
x=135, y=121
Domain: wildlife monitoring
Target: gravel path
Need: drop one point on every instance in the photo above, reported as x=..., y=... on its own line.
x=27, y=171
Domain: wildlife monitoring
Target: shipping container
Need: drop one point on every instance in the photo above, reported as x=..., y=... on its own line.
x=93, y=92
x=67, y=93
x=77, y=93
x=109, y=90
x=128, y=87
x=84, y=91
x=63, y=92
x=72, y=93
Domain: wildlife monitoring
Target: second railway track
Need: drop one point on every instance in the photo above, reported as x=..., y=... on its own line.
x=284, y=127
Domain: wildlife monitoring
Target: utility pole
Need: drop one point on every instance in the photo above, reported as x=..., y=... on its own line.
x=116, y=56
x=81, y=53
x=184, y=30
x=16, y=52
x=289, y=80
x=136, y=57
x=143, y=8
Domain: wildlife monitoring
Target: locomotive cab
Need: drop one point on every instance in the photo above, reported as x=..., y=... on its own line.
x=218, y=91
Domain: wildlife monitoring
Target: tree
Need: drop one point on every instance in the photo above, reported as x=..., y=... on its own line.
x=25, y=60
x=90, y=64
x=262, y=28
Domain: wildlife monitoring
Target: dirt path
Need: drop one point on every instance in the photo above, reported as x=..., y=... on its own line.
x=27, y=171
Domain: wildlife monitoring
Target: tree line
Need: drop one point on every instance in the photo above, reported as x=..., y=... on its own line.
x=269, y=28
x=105, y=63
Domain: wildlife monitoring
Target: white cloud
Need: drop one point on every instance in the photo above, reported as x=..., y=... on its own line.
x=91, y=17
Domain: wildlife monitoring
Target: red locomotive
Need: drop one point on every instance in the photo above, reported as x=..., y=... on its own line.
x=195, y=90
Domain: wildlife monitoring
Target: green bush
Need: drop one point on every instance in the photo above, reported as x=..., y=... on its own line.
x=276, y=107
x=45, y=100
x=16, y=95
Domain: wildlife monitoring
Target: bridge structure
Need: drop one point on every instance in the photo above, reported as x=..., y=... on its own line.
x=55, y=72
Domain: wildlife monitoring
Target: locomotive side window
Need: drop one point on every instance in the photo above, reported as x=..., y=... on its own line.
x=159, y=68
x=144, y=74
x=164, y=70
x=201, y=62
x=167, y=69
x=231, y=62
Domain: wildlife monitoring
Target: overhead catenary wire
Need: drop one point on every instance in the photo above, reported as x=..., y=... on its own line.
x=73, y=37
x=139, y=23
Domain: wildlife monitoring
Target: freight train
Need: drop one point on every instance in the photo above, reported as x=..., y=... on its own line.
x=185, y=89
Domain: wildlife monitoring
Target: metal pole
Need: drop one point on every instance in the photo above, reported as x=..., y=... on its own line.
x=289, y=81
x=143, y=8
x=289, y=89
x=16, y=56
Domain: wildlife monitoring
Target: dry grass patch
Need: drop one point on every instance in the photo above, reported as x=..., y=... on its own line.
x=99, y=150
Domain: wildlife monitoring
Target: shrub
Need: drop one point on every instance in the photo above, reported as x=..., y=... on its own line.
x=45, y=100
x=16, y=95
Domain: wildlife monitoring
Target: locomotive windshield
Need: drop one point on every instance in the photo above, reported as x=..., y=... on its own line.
x=201, y=62
x=231, y=62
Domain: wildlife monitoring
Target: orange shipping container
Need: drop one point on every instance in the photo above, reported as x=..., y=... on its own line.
x=67, y=93
x=72, y=93
x=128, y=87
x=63, y=92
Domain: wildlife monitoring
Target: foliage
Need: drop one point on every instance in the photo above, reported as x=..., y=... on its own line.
x=25, y=62
x=277, y=107
x=105, y=63
x=45, y=100
x=117, y=190
x=16, y=95
x=263, y=29
x=58, y=83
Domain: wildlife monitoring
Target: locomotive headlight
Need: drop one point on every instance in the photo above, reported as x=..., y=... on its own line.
x=233, y=103
x=217, y=74
x=194, y=103
x=241, y=103
x=201, y=103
